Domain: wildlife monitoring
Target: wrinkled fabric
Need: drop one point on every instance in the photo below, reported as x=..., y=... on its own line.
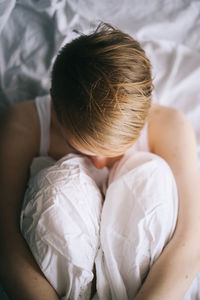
x=6, y=7
x=70, y=227
x=138, y=219
x=60, y=222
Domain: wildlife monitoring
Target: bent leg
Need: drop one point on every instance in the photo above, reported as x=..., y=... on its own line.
x=60, y=222
x=138, y=219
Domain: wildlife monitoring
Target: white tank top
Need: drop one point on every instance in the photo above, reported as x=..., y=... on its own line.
x=43, y=106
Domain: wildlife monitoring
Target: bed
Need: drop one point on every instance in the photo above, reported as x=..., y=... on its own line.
x=32, y=31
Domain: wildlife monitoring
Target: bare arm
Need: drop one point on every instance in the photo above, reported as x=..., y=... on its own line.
x=19, y=273
x=173, y=272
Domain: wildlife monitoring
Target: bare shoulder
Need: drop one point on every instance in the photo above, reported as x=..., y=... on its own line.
x=23, y=113
x=19, y=144
x=172, y=137
x=21, y=121
x=166, y=122
x=160, y=111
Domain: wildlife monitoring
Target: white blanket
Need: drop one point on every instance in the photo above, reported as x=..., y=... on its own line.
x=69, y=229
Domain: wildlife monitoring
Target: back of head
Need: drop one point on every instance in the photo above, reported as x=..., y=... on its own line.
x=101, y=90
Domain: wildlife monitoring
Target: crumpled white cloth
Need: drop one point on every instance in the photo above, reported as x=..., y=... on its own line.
x=60, y=221
x=138, y=219
x=68, y=232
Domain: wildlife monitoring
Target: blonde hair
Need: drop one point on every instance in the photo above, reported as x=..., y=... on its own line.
x=101, y=90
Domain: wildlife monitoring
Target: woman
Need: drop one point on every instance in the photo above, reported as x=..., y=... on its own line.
x=101, y=100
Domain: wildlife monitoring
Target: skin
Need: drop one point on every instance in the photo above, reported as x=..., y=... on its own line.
x=20, y=141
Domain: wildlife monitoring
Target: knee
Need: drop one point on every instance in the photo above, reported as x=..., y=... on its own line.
x=142, y=190
x=60, y=221
x=62, y=201
x=144, y=173
x=138, y=218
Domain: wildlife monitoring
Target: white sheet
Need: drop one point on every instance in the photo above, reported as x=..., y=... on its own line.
x=60, y=222
x=138, y=219
x=69, y=229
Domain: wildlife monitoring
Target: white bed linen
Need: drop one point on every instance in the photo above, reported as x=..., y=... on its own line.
x=60, y=222
x=68, y=232
x=138, y=219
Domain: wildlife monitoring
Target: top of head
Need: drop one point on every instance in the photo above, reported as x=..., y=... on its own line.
x=101, y=90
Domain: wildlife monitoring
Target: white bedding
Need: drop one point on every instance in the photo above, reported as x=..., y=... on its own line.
x=32, y=31
x=69, y=229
